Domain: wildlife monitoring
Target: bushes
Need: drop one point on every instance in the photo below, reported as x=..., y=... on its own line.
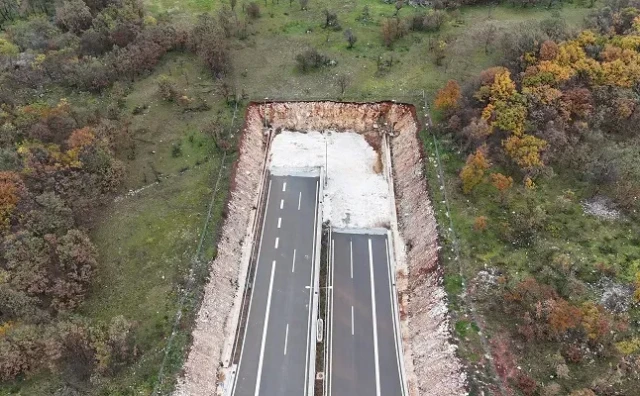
x=208, y=42
x=74, y=16
x=128, y=62
x=167, y=88
x=311, y=59
x=392, y=30
x=34, y=33
x=432, y=21
x=80, y=347
x=253, y=10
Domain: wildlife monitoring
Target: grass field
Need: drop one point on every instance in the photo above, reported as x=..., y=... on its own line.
x=265, y=66
x=150, y=240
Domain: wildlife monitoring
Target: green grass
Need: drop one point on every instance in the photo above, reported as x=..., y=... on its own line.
x=265, y=61
x=148, y=241
x=587, y=240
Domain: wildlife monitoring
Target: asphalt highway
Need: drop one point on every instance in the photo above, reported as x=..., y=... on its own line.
x=275, y=357
x=363, y=357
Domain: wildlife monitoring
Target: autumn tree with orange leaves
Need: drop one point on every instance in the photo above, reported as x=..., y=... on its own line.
x=11, y=189
x=448, y=97
x=472, y=173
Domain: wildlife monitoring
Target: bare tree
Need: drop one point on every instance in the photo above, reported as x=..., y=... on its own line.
x=253, y=10
x=351, y=38
x=488, y=35
x=207, y=41
x=330, y=19
x=342, y=82
x=399, y=5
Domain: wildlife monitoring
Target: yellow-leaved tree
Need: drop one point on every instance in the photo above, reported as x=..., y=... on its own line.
x=472, y=172
x=525, y=150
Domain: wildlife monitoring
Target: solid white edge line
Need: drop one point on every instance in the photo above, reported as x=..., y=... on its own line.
x=352, y=324
x=293, y=265
x=244, y=337
x=279, y=222
x=264, y=329
x=396, y=316
x=333, y=255
x=299, y=199
x=286, y=339
x=325, y=351
x=393, y=312
x=311, y=290
x=375, y=323
x=351, y=255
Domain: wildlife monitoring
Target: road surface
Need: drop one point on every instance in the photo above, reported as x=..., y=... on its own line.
x=363, y=358
x=275, y=357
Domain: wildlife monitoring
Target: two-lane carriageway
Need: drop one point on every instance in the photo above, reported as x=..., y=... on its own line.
x=276, y=354
x=364, y=352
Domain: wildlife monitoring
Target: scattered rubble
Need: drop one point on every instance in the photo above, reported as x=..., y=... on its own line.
x=601, y=207
x=615, y=297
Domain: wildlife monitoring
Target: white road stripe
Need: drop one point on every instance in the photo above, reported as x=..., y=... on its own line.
x=375, y=322
x=279, y=222
x=330, y=387
x=307, y=364
x=284, y=186
x=286, y=338
x=352, y=320
x=393, y=302
x=281, y=203
x=277, y=242
x=264, y=329
x=351, y=255
x=293, y=266
x=299, y=199
x=244, y=338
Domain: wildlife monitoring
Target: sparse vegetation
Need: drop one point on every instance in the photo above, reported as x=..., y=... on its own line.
x=311, y=59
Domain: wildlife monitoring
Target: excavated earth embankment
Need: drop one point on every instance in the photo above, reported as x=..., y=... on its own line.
x=431, y=365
